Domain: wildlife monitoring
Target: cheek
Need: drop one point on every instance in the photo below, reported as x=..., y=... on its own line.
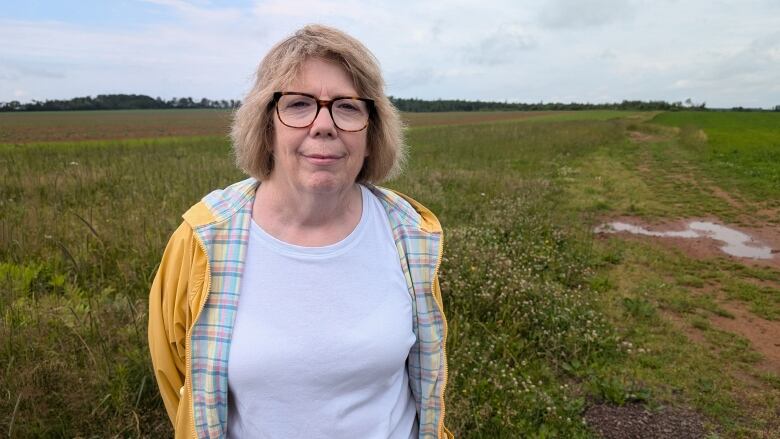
x=360, y=143
x=285, y=141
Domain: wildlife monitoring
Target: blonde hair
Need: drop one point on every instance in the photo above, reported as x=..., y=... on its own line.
x=252, y=131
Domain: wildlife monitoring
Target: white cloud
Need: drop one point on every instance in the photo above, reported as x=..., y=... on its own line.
x=577, y=14
x=194, y=13
x=533, y=50
x=503, y=46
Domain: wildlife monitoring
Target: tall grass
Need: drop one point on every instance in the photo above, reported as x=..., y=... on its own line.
x=532, y=338
x=83, y=226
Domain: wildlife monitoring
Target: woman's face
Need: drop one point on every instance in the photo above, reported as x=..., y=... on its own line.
x=320, y=157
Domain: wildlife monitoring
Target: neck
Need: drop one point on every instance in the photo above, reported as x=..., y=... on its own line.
x=306, y=218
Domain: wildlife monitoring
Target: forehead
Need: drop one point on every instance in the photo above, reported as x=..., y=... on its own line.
x=318, y=76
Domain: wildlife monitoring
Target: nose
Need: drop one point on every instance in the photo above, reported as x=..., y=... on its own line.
x=323, y=124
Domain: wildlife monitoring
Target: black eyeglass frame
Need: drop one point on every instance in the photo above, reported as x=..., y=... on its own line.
x=323, y=103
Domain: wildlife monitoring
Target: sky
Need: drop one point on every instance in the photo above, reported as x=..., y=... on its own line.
x=722, y=52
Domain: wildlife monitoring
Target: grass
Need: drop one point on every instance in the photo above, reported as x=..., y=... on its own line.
x=544, y=319
x=678, y=174
x=741, y=150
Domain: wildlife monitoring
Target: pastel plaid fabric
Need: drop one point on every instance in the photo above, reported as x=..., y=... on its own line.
x=225, y=241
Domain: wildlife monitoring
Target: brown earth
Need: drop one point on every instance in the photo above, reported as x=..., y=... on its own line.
x=468, y=117
x=640, y=137
x=27, y=127
x=692, y=333
x=764, y=335
x=748, y=212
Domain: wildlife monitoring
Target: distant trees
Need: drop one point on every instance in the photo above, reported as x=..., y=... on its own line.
x=419, y=105
x=116, y=102
x=690, y=105
x=132, y=101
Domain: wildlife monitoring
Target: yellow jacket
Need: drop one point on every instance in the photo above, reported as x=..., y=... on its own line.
x=194, y=294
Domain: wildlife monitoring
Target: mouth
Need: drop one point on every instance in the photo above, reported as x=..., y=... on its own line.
x=322, y=159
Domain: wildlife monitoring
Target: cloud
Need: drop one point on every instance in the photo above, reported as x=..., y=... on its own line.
x=501, y=47
x=753, y=68
x=476, y=49
x=580, y=14
x=761, y=56
x=59, y=60
x=194, y=13
x=12, y=71
x=410, y=78
x=608, y=54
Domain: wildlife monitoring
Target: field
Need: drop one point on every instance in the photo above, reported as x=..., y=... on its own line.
x=554, y=330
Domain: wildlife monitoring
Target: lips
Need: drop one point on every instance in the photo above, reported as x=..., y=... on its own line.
x=322, y=159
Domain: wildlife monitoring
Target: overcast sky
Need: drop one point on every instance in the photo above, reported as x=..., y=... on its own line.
x=724, y=53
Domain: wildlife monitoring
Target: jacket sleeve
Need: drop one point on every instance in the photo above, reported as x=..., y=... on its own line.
x=169, y=317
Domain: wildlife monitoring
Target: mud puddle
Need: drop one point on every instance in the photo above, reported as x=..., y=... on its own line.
x=734, y=242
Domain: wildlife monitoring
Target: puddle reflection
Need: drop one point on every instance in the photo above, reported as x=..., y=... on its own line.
x=737, y=243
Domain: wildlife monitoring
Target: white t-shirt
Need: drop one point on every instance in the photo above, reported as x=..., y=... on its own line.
x=321, y=338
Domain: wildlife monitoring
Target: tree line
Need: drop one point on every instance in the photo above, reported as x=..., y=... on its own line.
x=117, y=102
x=420, y=105
x=133, y=102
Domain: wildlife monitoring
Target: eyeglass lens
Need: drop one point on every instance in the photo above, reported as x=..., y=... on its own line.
x=300, y=111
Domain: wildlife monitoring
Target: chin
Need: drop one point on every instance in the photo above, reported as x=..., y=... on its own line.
x=327, y=183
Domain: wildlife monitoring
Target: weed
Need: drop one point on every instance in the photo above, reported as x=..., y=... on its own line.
x=639, y=308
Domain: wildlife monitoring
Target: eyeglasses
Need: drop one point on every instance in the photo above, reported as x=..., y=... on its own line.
x=299, y=110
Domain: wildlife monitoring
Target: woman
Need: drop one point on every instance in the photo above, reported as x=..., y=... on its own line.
x=280, y=308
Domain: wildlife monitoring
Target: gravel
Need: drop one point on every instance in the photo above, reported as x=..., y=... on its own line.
x=633, y=420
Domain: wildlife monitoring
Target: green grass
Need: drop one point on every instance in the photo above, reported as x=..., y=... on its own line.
x=742, y=150
x=544, y=319
x=675, y=174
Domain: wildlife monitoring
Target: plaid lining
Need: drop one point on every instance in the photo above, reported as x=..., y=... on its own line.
x=419, y=253
x=225, y=240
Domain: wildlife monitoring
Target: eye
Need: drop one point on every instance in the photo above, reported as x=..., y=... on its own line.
x=298, y=103
x=348, y=106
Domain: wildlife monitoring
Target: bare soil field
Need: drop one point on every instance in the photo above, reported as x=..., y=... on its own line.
x=26, y=127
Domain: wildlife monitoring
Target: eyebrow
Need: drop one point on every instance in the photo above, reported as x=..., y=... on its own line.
x=335, y=96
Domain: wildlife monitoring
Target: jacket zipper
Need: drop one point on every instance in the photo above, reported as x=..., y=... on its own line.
x=444, y=339
x=207, y=286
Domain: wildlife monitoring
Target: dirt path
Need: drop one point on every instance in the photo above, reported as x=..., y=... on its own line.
x=764, y=335
x=745, y=211
x=760, y=223
x=722, y=298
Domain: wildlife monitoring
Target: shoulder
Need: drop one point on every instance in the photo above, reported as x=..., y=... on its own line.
x=221, y=204
x=406, y=210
